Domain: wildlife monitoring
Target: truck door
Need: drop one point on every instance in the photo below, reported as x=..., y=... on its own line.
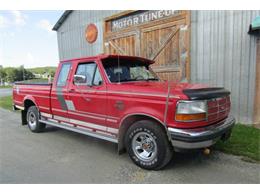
x=88, y=99
x=59, y=92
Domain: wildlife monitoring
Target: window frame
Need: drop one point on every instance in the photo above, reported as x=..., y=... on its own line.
x=94, y=73
x=65, y=84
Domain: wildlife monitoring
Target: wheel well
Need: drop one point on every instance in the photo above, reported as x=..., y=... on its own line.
x=127, y=122
x=27, y=105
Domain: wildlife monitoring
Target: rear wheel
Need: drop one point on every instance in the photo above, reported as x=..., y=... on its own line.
x=147, y=145
x=33, y=120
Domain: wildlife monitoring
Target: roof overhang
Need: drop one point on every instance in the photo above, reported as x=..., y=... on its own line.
x=61, y=20
x=118, y=57
x=113, y=56
x=254, y=27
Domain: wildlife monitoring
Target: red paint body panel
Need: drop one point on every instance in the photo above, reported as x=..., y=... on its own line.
x=39, y=94
x=110, y=103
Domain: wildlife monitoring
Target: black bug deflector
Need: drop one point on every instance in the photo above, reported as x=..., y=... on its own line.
x=206, y=93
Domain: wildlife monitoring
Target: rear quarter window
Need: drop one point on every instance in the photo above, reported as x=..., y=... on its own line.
x=63, y=75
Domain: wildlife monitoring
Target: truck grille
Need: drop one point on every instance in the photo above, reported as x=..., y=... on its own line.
x=218, y=108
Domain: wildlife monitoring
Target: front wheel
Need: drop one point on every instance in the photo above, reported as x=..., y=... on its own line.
x=147, y=145
x=33, y=120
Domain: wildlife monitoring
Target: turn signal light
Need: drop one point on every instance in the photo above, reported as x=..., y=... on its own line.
x=190, y=117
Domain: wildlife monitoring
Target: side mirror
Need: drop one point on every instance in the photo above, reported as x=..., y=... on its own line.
x=80, y=80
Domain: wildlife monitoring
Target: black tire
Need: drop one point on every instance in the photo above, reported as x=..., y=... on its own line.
x=152, y=131
x=32, y=118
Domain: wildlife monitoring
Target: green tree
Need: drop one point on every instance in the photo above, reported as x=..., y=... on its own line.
x=2, y=75
x=52, y=72
x=10, y=74
x=28, y=74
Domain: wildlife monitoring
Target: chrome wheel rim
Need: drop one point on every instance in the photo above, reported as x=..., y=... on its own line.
x=144, y=146
x=32, y=120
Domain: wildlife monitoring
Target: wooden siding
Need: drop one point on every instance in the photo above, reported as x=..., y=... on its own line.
x=223, y=54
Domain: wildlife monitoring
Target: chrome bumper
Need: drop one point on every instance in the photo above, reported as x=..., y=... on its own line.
x=201, y=137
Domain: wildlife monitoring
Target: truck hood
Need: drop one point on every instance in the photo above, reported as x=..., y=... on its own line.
x=160, y=88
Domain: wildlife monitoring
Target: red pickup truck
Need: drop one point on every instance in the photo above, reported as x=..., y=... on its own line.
x=121, y=100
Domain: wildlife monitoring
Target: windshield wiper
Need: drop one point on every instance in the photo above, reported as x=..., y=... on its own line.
x=125, y=80
x=149, y=79
x=152, y=79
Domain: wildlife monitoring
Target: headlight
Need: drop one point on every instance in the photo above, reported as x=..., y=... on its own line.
x=188, y=111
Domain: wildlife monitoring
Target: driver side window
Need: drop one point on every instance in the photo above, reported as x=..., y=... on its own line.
x=91, y=71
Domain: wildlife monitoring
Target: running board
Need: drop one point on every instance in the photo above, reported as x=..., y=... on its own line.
x=80, y=130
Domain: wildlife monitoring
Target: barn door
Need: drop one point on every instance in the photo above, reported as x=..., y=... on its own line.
x=166, y=44
x=125, y=44
x=165, y=40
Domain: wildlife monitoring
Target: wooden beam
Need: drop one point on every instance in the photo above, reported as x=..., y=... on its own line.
x=120, y=14
x=116, y=47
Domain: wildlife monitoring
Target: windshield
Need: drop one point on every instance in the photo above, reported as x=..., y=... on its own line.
x=123, y=70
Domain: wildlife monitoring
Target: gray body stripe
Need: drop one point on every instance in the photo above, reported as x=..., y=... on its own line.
x=61, y=98
x=70, y=105
x=59, y=92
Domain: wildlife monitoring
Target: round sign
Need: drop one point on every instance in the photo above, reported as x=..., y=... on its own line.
x=91, y=33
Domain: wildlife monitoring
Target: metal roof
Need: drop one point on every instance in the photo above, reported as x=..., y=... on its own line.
x=254, y=27
x=256, y=23
x=61, y=20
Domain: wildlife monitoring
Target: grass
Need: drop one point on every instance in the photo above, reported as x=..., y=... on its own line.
x=6, y=102
x=6, y=86
x=244, y=141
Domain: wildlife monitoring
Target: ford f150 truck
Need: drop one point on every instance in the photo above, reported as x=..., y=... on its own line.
x=121, y=100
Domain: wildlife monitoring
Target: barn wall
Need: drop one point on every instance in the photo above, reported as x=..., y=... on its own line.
x=223, y=54
x=70, y=35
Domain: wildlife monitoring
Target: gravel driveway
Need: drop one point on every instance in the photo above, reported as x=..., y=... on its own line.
x=59, y=156
x=5, y=92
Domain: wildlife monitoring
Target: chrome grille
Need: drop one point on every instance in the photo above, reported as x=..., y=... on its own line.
x=218, y=108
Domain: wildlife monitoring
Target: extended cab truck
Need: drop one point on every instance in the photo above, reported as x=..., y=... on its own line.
x=120, y=99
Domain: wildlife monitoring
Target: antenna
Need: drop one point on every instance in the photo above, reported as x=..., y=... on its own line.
x=167, y=102
x=118, y=66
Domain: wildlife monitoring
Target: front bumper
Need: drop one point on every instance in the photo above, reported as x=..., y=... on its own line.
x=201, y=137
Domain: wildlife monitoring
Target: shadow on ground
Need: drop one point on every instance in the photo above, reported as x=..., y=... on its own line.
x=178, y=160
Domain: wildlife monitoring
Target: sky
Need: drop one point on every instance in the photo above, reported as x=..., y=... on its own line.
x=26, y=38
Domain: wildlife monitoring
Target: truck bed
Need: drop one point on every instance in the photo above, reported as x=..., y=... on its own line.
x=33, y=82
x=39, y=93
